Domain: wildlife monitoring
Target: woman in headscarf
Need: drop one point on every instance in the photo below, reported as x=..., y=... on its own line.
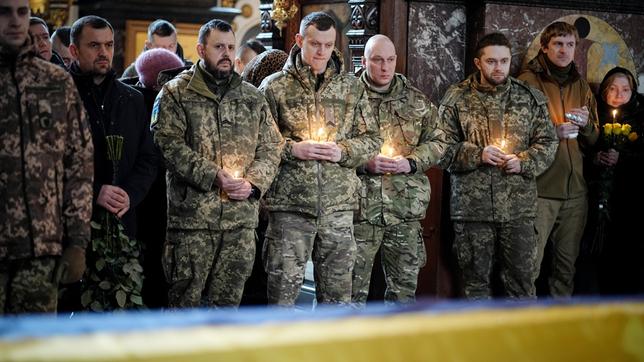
x=620, y=160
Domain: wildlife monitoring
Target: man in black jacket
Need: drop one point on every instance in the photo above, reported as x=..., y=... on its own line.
x=114, y=109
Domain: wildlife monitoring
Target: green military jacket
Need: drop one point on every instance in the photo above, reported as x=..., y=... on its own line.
x=338, y=106
x=408, y=124
x=199, y=134
x=46, y=158
x=475, y=116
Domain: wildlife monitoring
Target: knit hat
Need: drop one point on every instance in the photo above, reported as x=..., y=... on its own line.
x=263, y=65
x=153, y=61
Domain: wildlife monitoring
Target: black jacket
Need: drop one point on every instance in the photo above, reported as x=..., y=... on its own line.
x=114, y=108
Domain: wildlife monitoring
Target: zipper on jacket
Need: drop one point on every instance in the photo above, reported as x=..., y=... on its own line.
x=22, y=156
x=563, y=108
x=318, y=162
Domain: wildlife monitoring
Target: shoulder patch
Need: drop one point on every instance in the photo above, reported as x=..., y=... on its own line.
x=155, y=113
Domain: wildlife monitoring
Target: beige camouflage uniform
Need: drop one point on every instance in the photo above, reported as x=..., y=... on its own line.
x=46, y=171
x=210, y=243
x=391, y=206
x=311, y=203
x=493, y=212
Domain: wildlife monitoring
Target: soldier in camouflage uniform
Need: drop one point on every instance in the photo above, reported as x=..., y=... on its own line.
x=46, y=172
x=505, y=139
x=325, y=117
x=395, y=190
x=222, y=149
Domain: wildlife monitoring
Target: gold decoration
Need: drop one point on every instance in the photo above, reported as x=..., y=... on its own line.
x=53, y=12
x=283, y=10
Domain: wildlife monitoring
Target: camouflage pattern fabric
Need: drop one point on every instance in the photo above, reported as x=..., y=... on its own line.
x=408, y=124
x=338, y=105
x=402, y=256
x=390, y=205
x=46, y=159
x=208, y=268
x=28, y=286
x=512, y=246
x=198, y=135
x=46, y=174
x=473, y=117
x=292, y=239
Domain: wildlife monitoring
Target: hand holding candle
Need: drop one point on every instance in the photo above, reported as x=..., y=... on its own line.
x=232, y=182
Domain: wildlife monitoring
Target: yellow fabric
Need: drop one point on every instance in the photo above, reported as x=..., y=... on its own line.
x=604, y=332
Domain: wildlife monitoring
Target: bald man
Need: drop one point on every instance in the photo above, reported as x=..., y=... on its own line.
x=397, y=189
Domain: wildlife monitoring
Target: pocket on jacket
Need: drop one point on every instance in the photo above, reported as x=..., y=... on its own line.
x=412, y=198
x=177, y=261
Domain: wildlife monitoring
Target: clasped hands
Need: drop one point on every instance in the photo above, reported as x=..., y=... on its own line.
x=315, y=150
x=114, y=199
x=493, y=155
x=382, y=164
x=235, y=187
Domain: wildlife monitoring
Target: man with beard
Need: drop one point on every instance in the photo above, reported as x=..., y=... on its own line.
x=222, y=149
x=325, y=117
x=122, y=175
x=503, y=139
x=45, y=172
x=563, y=194
x=114, y=109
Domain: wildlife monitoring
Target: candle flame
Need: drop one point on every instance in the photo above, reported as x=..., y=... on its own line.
x=387, y=150
x=236, y=174
x=614, y=115
x=320, y=134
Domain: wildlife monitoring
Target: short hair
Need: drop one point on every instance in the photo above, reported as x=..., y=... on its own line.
x=62, y=34
x=253, y=45
x=36, y=20
x=214, y=24
x=321, y=20
x=96, y=22
x=161, y=28
x=558, y=28
x=490, y=40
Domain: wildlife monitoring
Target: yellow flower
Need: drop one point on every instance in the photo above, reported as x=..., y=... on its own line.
x=608, y=128
x=617, y=127
x=633, y=136
x=626, y=129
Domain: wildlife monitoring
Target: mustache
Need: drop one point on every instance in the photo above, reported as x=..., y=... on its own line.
x=225, y=60
x=101, y=58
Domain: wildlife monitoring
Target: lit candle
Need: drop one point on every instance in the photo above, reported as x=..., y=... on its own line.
x=320, y=134
x=614, y=116
x=387, y=150
x=503, y=144
x=236, y=174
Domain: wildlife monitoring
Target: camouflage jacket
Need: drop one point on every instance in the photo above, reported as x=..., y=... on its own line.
x=408, y=124
x=475, y=116
x=565, y=177
x=46, y=164
x=199, y=134
x=340, y=108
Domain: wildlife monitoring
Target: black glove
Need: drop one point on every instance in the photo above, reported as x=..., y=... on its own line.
x=71, y=265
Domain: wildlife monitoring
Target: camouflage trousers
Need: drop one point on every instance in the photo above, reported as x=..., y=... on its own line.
x=206, y=267
x=402, y=255
x=560, y=224
x=29, y=286
x=328, y=240
x=511, y=246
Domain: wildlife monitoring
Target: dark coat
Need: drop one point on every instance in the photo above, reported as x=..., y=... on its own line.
x=115, y=108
